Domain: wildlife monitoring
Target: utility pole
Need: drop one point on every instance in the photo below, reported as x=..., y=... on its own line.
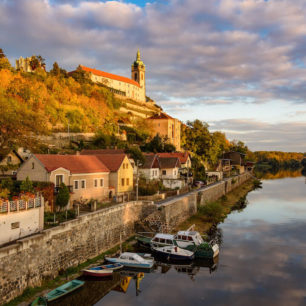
x=137, y=179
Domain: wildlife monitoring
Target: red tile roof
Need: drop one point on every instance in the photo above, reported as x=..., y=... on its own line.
x=112, y=161
x=73, y=163
x=110, y=75
x=161, y=116
x=102, y=151
x=183, y=156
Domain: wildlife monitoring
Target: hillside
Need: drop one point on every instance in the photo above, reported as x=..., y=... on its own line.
x=44, y=103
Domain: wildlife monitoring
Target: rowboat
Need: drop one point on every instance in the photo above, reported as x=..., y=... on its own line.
x=173, y=253
x=63, y=290
x=100, y=271
x=132, y=260
x=39, y=301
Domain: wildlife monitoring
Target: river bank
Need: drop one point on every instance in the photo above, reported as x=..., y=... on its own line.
x=216, y=211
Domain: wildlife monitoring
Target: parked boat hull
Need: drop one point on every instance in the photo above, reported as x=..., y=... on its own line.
x=131, y=265
x=97, y=273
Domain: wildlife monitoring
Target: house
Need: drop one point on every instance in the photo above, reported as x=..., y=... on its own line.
x=237, y=160
x=121, y=173
x=20, y=218
x=168, y=127
x=150, y=170
x=224, y=167
x=86, y=176
x=11, y=162
x=184, y=158
x=169, y=167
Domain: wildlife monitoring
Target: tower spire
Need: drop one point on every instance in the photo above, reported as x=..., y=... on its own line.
x=138, y=56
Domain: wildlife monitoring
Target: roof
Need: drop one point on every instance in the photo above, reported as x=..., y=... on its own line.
x=150, y=161
x=169, y=162
x=112, y=161
x=73, y=163
x=183, y=157
x=164, y=236
x=160, y=116
x=102, y=151
x=187, y=233
x=110, y=75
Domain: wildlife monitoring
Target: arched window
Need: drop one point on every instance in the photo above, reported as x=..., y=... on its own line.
x=135, y=77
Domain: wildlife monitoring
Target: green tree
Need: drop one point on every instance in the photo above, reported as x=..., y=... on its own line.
x=63, y=196
x=238, y=146
x=56, y=69
x=27, y=185
x=4, y=62
x=136, y=154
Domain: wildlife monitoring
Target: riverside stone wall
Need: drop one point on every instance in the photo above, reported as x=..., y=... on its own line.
x=180, y=209
x=30, y=260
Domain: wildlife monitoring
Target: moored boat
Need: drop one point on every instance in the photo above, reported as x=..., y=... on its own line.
x=63, y=290
x=39, y=301
x=132, y=260
x=173, y=253
x=100, y=271
x=188, y=240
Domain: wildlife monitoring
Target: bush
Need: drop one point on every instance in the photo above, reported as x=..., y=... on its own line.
x=212, y=211
x=27, y=185
x=63, y=196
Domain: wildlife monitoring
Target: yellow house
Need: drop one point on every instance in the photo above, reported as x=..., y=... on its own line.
x=86, y=176
x=168, y=127
x=121, y=173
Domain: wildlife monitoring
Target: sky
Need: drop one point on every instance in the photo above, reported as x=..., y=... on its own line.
x=239, y=65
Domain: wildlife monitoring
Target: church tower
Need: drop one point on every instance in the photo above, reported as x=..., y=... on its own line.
x=138, y=74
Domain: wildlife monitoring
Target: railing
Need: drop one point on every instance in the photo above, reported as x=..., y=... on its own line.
x=19, y=205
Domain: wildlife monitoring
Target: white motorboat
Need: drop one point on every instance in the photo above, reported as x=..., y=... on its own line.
x=132, y=260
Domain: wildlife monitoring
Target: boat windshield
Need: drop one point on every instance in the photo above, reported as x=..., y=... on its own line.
x=198, y=239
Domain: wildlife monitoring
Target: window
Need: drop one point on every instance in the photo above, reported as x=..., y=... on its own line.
x=162, y=240
x=127, y=166
x=96, y=182
x=122, y=182
x=127, y=182
x=164, y=172
x=75, y=185
x=174, y=172
x=59, y=179
x=9, y=159
x=123, y=166
x=33, y=165
x=15, y=225
x=101, y=182
x=83, y=184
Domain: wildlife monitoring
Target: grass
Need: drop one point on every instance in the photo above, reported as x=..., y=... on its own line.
x=217, y=211
x=70, y=273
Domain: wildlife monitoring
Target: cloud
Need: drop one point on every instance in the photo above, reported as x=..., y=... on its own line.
x=196, y=52
x=288, y=136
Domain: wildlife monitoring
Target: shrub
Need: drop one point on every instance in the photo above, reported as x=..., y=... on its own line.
x=212, y=211
x=27, y=185
x=63, y=196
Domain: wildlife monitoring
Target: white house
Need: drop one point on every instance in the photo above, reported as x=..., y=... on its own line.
x=150, y=170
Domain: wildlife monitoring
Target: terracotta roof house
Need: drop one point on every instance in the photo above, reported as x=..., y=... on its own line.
x=86, y=176
x=121, y=172
x=184, y=158
x=168, y=127
x=150, y=170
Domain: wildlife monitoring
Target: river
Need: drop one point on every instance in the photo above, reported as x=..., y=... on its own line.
x=262, y=260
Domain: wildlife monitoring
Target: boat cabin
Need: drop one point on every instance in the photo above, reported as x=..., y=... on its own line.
x=162, y=240
x=189, y=237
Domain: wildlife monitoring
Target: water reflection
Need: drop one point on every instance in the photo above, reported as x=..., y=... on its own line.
x=262, y=261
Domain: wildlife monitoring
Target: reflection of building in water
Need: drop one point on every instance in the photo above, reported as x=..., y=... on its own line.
x=126, y=279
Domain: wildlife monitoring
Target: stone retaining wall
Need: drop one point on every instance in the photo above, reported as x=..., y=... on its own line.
x=29, y=260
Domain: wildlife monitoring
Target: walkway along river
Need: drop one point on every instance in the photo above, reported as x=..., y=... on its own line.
x=262, y=261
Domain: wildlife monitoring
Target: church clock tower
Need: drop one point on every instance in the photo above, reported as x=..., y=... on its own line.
x=138, y=74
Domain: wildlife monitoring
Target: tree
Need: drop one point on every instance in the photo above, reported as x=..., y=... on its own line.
x=238, y=146
x=303, y=162
x=37, y=62
x=18, y=125
x=56, y=69
x=27, y=185
x=136, y=154
x=4, y=62
x=63, y=196
x=2, y=55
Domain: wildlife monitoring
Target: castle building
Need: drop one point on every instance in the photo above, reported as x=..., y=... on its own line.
x=133, y=88
x=24, y=64
x=167, y=127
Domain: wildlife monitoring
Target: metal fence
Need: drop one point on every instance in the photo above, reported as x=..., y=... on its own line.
x=19, y=205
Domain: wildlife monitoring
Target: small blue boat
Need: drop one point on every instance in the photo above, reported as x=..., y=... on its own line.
x=101, y=271
x=63, y=290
